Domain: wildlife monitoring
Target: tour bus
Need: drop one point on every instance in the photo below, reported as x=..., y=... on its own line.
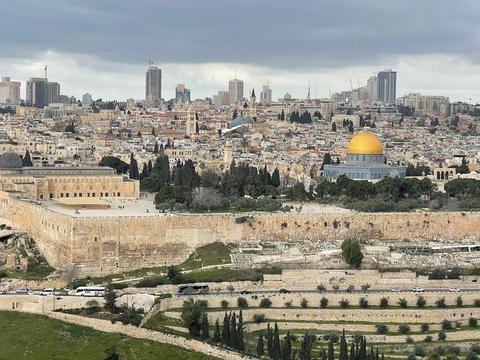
x=192, y=289
x=90, y=291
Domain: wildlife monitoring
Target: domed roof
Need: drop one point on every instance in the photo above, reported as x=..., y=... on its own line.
x=10, y=160
x=366, y=143
x=241, y=120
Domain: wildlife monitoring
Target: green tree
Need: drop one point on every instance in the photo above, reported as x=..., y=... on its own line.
x=260, y=346
x=276, y=349
x=204, y=332
x=383, y=302
x=192, y=316
x=110, y=300
x=27, y=161
x=287, y=347
x=421, y=302
x=276, y=178
x=323, y=302
x=121, y=167
x=403, y=303
x=216, y=334
x=352, y=253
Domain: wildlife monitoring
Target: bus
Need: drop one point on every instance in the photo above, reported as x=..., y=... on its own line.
x=90, y=291
x=192, y=289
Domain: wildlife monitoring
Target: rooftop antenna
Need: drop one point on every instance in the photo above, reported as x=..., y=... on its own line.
x=351, y=86
x=149, y=62
x=45, y=72
x=316, y=90
x=309, y=90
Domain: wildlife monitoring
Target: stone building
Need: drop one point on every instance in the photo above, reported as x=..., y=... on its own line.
x=42, y=183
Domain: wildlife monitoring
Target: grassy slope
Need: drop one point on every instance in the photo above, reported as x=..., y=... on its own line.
x=36, y=337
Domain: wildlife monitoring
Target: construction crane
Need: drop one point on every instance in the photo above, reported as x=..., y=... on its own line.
x=149, y=61
x=351, y=86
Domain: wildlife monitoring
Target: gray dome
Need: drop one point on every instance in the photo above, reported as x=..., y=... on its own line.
x=241, y=120
x=10, y=160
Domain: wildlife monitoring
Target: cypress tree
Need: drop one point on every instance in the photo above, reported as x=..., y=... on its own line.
x=260, y=346
x=331, y=350
x=144, y=171
x=233, y=340
x=241, y=343
x=27, y=161
x=287, y=347
x=149, y=166
x=216, y=335
x=352, y=351
x=343, y=348
x=276, y=178
x=155, y=149
x=269, y=341
x=277, y=352
x=204, y=334
x=324, y=354
x=226, y=329
x=334, y=127
x=133, y=172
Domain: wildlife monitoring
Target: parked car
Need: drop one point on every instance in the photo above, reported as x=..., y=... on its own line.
x=395, y=290
x=454, y=290
x=23, y=292
x=3, y=292
x=60, y=293
x=418, y=289
x=47, y=292
x=245, y=292
x=284, y=291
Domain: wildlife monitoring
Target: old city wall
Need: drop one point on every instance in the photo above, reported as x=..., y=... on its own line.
x=51, y=231
x=98, y=246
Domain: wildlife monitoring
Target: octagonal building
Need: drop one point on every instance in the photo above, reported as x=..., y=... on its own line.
x=365, y=161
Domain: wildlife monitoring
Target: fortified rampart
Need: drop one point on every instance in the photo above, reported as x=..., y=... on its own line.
x=98, y=246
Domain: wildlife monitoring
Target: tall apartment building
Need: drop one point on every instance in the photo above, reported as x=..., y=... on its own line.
x=372, y=87
x=153, y=87
x=87, y=100
x=40, y=92
x=221, y=99
x=266, y=95
x=387, y=86
x=182, y=94
x=235, y=88
x=9, y=91
x=426, y=103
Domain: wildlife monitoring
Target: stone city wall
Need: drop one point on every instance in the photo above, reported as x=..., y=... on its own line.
x=97, y=246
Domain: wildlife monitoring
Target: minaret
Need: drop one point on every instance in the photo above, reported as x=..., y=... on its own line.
x=253, y=104
x=191, y=126
x=228, y=153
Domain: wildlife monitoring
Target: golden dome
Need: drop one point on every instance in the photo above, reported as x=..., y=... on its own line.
x=365, y=143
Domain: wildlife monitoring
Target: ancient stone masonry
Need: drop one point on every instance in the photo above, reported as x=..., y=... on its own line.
x=98, y=246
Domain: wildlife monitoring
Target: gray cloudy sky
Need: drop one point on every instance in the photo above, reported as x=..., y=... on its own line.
x=99, y=45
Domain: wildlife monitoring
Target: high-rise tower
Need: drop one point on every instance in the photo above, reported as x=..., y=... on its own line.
x=153, y=86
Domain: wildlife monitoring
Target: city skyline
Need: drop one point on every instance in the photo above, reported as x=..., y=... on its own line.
x=338, y=41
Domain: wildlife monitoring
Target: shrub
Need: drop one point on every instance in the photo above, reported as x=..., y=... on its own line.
x=343, y=303
x=336, y=287
x=446, y=325
x=304, y=303
x=403, y=303
x=131, y=317
x=265, y=303
x=472, y=322
x=411, y=356
x=404, y=329
x=350, y=288
x=440, y=303
x=224, y=304
x=428, y=339
x=321, y=288
x=352, y=253
x=323, y=302
x=383, y=303
x=258, y=318
x=363, y=302
x=409, y=340
x=459, y=301
x=419, y=351
x=475, y=348
x=242, y=302
x=471, y=356
x=288, y=304
x=365, y=287
x=151, y=282
x=118, y=286
x=381, y=328
x=476, y=303
x=424, y=327
x=421, y=302
x=442, y=336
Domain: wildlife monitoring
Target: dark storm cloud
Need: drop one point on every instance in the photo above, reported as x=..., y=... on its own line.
x=276, y=33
